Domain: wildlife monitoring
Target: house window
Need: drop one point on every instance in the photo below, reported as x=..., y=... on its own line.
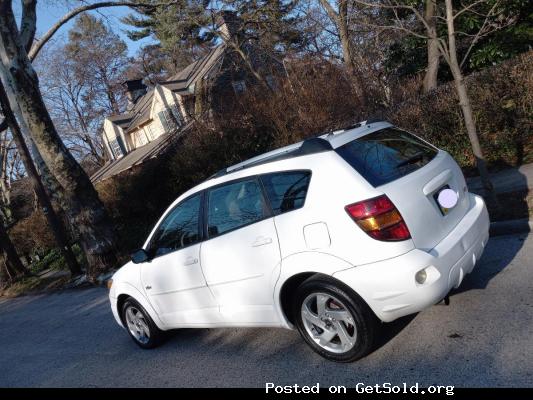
x=115, y=148
x=150, y=132
x=239, y=86
x=140, y=137
x=166, y=119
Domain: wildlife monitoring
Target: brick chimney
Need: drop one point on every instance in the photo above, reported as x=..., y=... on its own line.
x=135, y=88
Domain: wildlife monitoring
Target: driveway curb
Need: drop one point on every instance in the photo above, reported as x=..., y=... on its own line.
x=509, y=227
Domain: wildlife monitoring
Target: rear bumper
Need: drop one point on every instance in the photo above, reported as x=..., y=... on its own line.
x=389, y=287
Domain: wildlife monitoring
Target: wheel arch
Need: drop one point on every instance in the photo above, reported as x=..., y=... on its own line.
x=299, y=267
x=126, y=291
x=287, y=292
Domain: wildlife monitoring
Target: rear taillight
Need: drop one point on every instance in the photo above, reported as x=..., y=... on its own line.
x=379, y=218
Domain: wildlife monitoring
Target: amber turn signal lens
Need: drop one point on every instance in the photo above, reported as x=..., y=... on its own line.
x=381, y=221
x=109, y=283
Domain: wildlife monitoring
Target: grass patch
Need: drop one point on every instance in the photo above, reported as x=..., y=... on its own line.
x=36, y=284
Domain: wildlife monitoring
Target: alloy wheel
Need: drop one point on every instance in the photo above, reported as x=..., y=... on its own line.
x=328, y=322
x=137, y=325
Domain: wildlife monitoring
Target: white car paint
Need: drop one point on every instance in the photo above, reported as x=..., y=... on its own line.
x=235, y=279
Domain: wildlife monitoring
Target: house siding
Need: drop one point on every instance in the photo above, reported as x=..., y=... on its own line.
x=209, y=84
x=114, y=133
x=163, y=100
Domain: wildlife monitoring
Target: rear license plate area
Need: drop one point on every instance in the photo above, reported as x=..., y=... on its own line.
x=443, y=210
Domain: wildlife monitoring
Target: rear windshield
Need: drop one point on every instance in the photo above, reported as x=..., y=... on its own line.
x=386, y=155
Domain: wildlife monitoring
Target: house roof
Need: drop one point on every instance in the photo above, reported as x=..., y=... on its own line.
x=141, y=111
x=138, y=156
x=179, y=83
x=196, y=70
x=121, y=120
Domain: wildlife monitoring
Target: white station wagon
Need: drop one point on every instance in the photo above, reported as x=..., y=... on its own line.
x=329, y=236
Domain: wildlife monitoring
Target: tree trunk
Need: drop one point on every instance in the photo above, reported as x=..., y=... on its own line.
x=466, y=108
x=52, y=186
x=347, y=57
x=5, y=194
x=110, y=93
x=344, y=36
x=13, y=265
x=433, y=54
x=51, y=216
x=86, y=211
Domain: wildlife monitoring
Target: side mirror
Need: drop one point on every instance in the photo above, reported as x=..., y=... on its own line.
x=139, y=256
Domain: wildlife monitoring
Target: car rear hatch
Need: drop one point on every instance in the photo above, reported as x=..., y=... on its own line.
x=411, y=173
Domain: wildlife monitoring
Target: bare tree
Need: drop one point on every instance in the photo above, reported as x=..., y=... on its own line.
x=447, y=47
x=80, y=81
x=10, y=265
x=36, y=47
x=72, y=186
x=8, y=157
x=85, y=210
x=74, y=115
x=58, y=230
x=433, y=53
x=341, y=19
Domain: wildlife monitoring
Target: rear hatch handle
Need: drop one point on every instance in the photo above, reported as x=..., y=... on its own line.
x=437, y=182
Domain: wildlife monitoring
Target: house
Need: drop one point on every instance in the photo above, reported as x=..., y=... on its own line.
x=155, y=117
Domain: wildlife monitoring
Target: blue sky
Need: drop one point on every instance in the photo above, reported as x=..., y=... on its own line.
x=48, y=12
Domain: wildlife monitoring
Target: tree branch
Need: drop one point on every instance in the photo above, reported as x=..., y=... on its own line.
x=394, y=27
x=396, y=7
x=480, y=33
x=331, y=12
x=37, y=46
x=28, y=24
x=466, y=8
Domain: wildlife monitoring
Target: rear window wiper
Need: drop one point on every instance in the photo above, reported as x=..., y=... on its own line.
x=411, y=160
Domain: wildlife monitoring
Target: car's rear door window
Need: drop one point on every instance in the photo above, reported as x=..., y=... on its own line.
x=286, y=191
x=386, y=155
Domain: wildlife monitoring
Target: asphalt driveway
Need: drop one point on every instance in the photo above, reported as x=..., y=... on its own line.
x=484, y=338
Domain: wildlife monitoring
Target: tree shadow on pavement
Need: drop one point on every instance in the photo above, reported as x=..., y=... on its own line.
x=511, y=185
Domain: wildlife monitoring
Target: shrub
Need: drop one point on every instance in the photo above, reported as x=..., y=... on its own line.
x=502, y=101
x=32, y=235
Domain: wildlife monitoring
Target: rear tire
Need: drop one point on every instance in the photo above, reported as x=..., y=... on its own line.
x=333, y=320
x=139, y=325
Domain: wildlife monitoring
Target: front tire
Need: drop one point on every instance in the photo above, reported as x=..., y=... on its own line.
x=139, y=325
x=333, y=320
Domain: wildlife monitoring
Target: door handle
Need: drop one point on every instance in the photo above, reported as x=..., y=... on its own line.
x=260, y=241
x=191, y=261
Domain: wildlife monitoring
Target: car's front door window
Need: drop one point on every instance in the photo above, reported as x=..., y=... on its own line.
x=179, y=229
x=235, y=205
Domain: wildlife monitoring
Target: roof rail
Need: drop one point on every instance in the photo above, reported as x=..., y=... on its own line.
x=312, y=145
x=306, y=147
x=352, y=126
